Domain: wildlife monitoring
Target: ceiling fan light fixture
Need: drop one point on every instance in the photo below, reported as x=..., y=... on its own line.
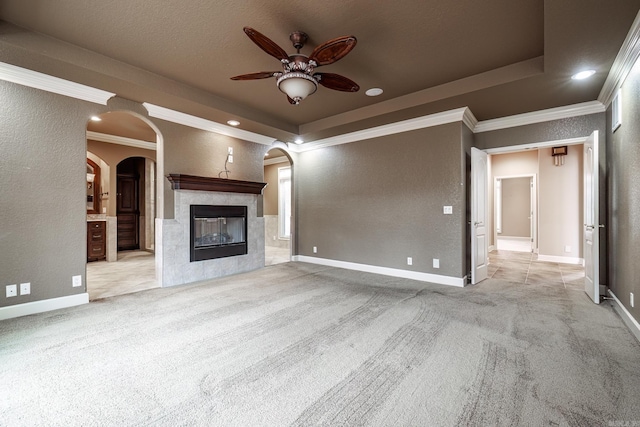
x=297, y=86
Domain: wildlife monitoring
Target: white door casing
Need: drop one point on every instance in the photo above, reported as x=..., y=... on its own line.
x=591, y=220
x=479, y=213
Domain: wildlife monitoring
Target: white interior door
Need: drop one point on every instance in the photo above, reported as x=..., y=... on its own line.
x=591, y=221
x=534, y=214
x=479, y=213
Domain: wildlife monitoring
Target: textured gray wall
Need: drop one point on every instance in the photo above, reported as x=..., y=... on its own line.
x=624, y=196
x=43, y=174
x=196, y=152
x=380, y=201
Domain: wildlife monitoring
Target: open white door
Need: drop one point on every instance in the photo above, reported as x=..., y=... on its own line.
x=479, y=213
x=591, y=221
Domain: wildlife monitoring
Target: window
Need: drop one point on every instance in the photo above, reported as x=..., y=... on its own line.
x=284, y=203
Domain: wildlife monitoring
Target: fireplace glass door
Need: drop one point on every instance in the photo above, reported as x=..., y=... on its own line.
x=218, y=231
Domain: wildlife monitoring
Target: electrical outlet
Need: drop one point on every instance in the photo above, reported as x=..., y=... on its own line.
x=631, y=299
x=409, y=261
x=447, y=210
x=76, y=281
x=315, y=249
x=567, y=249
x=25, y=288
x=230, y=158
x=436, y=263
x=12, y=291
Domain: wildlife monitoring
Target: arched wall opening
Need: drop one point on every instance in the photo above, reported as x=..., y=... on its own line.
x=278, y=206
x=119, y=141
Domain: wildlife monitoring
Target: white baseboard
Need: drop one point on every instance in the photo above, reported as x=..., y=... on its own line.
x=560, y=259
x=491, y=248
x=386, y=271
x=35, y=307
x=628, y=319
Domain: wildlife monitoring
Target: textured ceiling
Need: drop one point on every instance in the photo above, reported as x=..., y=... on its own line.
x=498, y=57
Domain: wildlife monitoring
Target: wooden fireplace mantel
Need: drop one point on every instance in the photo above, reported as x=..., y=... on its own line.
x=202, y=183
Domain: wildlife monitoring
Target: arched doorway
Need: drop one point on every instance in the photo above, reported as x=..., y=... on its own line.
x=278, y=206
x=124, y=144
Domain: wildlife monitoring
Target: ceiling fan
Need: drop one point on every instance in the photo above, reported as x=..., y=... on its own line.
x=297, y=80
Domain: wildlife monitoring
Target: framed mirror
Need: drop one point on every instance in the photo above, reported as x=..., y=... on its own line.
x=93, y=187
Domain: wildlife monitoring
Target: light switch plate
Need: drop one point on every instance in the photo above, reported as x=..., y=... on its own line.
x=447, y=210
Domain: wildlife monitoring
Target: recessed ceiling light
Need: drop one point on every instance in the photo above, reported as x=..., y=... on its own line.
x=233, y=123
x=299, y=141
x=96, y=119
x=374, y=91
x=583, y=74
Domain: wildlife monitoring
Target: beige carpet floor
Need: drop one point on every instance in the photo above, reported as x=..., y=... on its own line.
x=299, y=344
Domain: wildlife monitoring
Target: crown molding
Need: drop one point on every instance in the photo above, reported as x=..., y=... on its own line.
x=276, y=160
x=582, y=109
x=204, y=124
x=121, y=140
x=431, y=120
x=469, y=119
x=622, y=65
x=36, y=80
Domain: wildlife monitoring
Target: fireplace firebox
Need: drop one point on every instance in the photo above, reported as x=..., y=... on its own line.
x=218, y=231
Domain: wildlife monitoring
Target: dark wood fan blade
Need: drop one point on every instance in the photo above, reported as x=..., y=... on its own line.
x=333, y=50
x=337, y=82
x=256, y=76
x=266, y=44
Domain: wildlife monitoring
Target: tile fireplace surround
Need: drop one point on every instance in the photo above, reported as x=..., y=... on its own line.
x=173, y=266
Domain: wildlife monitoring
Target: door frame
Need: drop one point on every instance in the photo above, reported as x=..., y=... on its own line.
x=544, y=144
x=533, y=193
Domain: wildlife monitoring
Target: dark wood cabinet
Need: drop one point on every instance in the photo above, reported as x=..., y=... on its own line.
x=96, y=240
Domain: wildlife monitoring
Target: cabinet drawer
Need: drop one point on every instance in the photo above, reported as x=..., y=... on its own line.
x=96, y=236
x=96, y=250
x=96, y=225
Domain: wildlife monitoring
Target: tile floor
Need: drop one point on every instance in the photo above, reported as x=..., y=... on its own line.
x=135, y=271
x=276, y=255
x=524, y=267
